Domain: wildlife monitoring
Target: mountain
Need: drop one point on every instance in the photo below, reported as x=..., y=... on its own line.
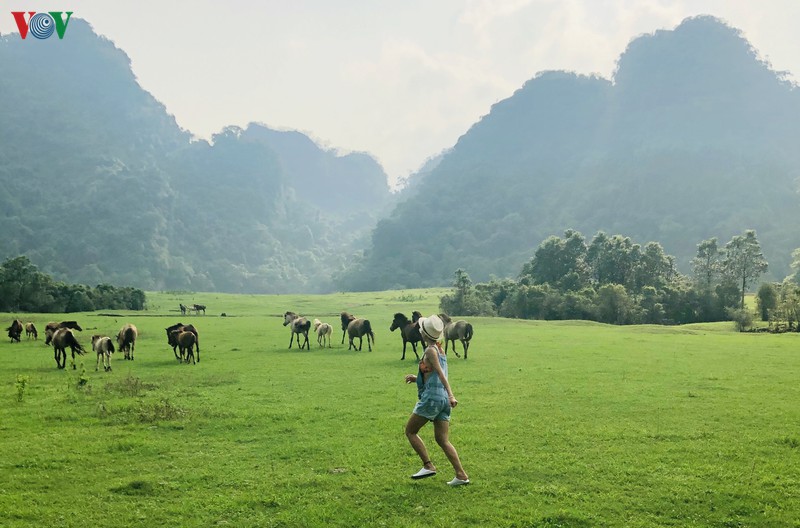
x=694, y=137
x=101, y=185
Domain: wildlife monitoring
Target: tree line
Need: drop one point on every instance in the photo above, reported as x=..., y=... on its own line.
x=23, y=288
x=612, y=279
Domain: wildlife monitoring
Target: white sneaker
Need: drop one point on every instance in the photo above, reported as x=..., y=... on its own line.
x=423, y=473
x=458, y=482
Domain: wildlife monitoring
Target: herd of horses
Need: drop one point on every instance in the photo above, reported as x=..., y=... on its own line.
x=182, y=338
x=354, y=327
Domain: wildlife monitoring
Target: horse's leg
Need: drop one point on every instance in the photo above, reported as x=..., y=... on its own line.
x=361, y=342
x=454, y=349
x=414, y=348
x=97, y=363
x=291, y=339
x=343, y=332
x=466, y=348
x=404, y=350
x=369, y=342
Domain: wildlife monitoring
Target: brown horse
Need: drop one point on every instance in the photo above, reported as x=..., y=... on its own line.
x=460, y=330
x=346, y=318
x=198, y=308
x=103, y=347
x=408, y=331
x=15, y=330
x=360, y=328
x=63, y=338
x=186, y=342
x=298, y=325
x=126, y=340
x=30, y=330
x=172, y=338
x=51, y=328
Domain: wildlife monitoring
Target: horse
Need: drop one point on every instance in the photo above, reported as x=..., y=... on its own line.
x=346, y=318
x=360, y=328
x=199, y=307
x=323, y=330
x=183, y=308
x=103, y=347
x=63, y=338
x=460, y=330
x=172, y=337
x=299, y=325
x=408, y=331
x=15, y=330
x=51, y=327
x=187, y=341
x=126, y=340
x=30, y=330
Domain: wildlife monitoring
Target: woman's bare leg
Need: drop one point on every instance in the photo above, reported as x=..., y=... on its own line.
x=415, y=423
x=441, y=429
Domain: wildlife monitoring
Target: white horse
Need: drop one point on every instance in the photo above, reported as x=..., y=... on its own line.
x=323, y=330
x=104, y=347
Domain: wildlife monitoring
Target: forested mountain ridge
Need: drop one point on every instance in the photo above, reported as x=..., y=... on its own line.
x=101, y=184
x=694, y=138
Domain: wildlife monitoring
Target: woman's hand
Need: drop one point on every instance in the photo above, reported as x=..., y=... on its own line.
x=410, y=378
x=453, y=401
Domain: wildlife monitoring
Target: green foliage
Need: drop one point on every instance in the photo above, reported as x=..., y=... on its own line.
x=767, y=300
x=742, y=318
x=24, y=288
x=20, y=385
x=742, y=261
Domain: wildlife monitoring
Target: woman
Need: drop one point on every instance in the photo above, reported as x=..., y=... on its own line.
x=435, y=401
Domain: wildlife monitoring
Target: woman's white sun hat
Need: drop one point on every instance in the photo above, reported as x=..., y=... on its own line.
x=431, y=327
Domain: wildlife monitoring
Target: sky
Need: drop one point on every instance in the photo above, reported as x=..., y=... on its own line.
x=399, y=79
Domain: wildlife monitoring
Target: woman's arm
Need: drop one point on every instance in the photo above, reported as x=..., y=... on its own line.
x=410, y=378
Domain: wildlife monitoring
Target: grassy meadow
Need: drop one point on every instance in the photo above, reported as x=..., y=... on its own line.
x=560, y=424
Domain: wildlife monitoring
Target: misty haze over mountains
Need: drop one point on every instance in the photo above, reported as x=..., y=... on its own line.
x=694, y=138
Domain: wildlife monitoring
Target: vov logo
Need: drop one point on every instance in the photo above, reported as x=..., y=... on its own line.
x=42, y=25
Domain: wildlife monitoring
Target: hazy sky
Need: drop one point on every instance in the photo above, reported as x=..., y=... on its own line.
x=400, y=79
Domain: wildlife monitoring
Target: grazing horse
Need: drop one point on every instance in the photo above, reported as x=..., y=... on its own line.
x=346, y=318
x=183, y=308
x=360, y=328
x=51, y=328
x=460, y=330
x=408, y=331
x=103, y=347
x=126, y=340
x=323, y=330
x=30, y=330
x=187, y=341
x=199, y=307
x=172, y=337
x=63, y=338
x=15, y=330
x=299, y=326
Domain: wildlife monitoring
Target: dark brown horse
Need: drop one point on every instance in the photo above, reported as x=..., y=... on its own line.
x=15, y=330
x=126, y=340
x=346, y=318
x=51, y=328
x=360, y=328
x=198, y=308
x=408, y=331
x=172, y=338
x=298, y=325
x=63, y=338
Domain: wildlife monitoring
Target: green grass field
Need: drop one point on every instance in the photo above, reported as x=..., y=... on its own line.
x=560, y=424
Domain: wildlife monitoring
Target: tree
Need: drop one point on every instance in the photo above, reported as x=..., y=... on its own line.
x=767, y=300
x=706, y=265
x=742, y=261
x=558, y=262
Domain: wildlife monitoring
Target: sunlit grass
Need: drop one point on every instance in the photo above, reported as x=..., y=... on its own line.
x=559, y=424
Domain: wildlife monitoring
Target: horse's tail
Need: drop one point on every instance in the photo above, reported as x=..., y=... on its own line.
x=368, y=329
x=110, y=346
x=73, y=344
x=468, y=332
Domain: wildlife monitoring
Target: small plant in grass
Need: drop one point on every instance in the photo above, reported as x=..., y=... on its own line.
x=21, y=384
x=83, y=379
